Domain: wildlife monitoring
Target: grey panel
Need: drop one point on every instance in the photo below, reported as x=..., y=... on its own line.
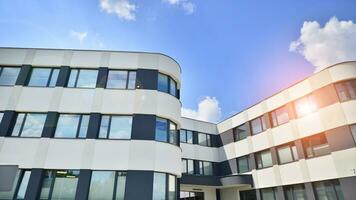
x=143, y=127
x=146, y=79
x=139, y=185
x=7, y=177
x=309, y=191
x=195, y=137
x=348, y=187
x=7, y=123
x=63, y=76
x=83, y=185
x=34, y=185
x=102, y=77
x=50, y=125
x=94, y=125
x=23, y=75
x=227, y=137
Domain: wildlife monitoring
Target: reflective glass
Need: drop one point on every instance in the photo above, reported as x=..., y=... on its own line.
x=241, y=132
x=202, y=140
x=190, y=137
x=67, y=126
x=23, y=185
x=190, y=167
x=65, y=184
x=172, y=133
x=33, y=126
x=120, y=127
x=54, y=78
x=243, y=164
x=73, y=77
x=104, y=126
x=159, y=186
x=117, y=79
x=162, y=83
x=87, y=78
x=19, y=121
x=285, y=154
x=183, y=135
x=39, y=77
x=208, y=168
x=184, y=166
x=132, y=80
x=171, y=187
x=267, y=194
x=102, y=185
x=258, y=125
x=5, y=195
x=161, y=129
x=173, y=88
x=9, y=75
x=353, y=130
x=1, y=116
x=280, y=116
x=47, y=184
x=84, y=123
x=120, y=185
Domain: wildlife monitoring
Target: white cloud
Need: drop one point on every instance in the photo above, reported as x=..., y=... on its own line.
x=122, y=8
x=208, y=110
x=78, y=35
x=324, y=46
x=186, y=5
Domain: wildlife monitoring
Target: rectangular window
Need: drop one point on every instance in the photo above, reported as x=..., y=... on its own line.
x=8, y=75
x=171, y=187
x=268, y=194
x=29, y=125
x=184, y=166
x=82, y=78
x=204, y=139
x=240, y=132
x=182, y=133
x=287, y=153
x=189, y=137
x=242, y=164
x=173, y=133
x=163, y=83
x=316, y=145
x=328, y=190
x=264, y=159
x=102, y=185
x=279, y=116
x=159, y=186
x=173, y=87
x=205, y=168
x=115, y=127
x=59, y=184
x=118, y=79
x=19, y=186
x=305, y=105
x=353, y=131
x=295, y=192
x=72, y=126
x=187, y=166
x=346, y=90
x=43, y=77
x=258, y=125
x=166, y=131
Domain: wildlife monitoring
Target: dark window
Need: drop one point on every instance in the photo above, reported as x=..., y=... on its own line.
x=82, y=78
x=248, y=195
x=295, y=192
x=316, y=145
x=204, y=139
x=258, y=125
x=115, y=127
x=187, y=166
x=268, y=194
x=328, y=190
x=167, y=84
x=19, y=186
x=164, y=185
x=242, y=164
x=305, y=105
x=8, y=75
x=240, y=132
x=279, y=116
x=205, y=168
x=119, y=79
x=1, y=116
x=353, y=131
x=264, y=159
x=287, y=153
x=29, y=125
x=72, y=126
x=191, y=195
x=166, y=131
x=346, y=90
x=107, y=185
x=43, y=77
x=59, y=184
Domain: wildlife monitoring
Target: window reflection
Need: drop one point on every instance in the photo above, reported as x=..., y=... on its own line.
x=8, y=75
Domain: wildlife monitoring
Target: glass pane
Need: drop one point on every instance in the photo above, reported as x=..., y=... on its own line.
x=120, y=127
x=161, y=130
x=298, y=192
x=201, y=168
x=321, y=149
x=338, y=190
x=120, y=186
x=67, y=126
x=172, y=133
x=325, y=190
x=243, y=164
x=184, y=166
x=159, y=186
x=65, y=184
x=72, y=77
x=267, y=194
x=190, y=137
x=171, y=187
x=352, y=89
x=1, y=116
x=104, y=126
x=284, y=154
x=241, y=132
x=9, y=75
x=102, y=185
x=18, y=124
x=10, y=194
x=202, y=139
x=54, y=78
x=208, y=168
x=39, y=77
x=282, y=115
x=173, y=87
x=87, y=78
x=190, y=167
x=266, y=159
x=84, y=126
x=183, y=134
x=47, y=183
x=295, y=153
x=132, y=80
x=23, y=185
x=33, y=125
x=353, y=130
x=256, y=126
x=162, y=83
x=117, y=79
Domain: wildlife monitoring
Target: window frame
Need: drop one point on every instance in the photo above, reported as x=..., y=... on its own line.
x=208, y=139
x=187, y=166
x=258, y=156
x=236, y=132
x=16, y=185
x=238, y=165
x=273, y=114
x=273, y=190
x=202, y=168
x=290, y=148
x=77, y=129
x=310, y=145
x=23, y=124
x=348, y=96
x=77, y=78
x=109, y=127
x=167, y=184
x=186, y=136
x=293, y=189
x=333, y=183
x=52, y=69
x=129, y=72
x=263, y=128
x=169, y=81
x=2, y=69
x=168, y=132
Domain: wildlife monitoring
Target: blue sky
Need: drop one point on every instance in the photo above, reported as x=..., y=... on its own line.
x=235, y=51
